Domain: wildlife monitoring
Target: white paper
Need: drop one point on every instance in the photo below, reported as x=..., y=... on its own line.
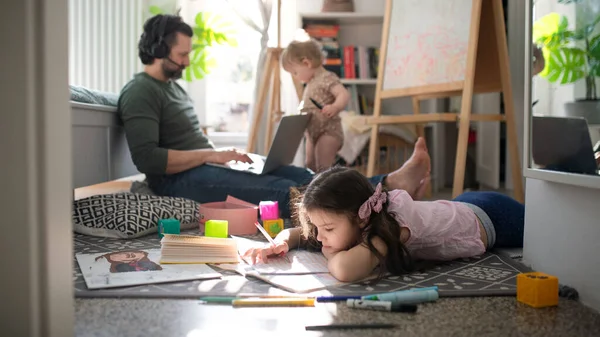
x=136, y=267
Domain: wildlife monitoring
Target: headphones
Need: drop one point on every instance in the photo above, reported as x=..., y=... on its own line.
x=159, y=49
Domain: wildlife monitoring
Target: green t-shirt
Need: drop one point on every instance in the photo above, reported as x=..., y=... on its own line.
x=158, y=116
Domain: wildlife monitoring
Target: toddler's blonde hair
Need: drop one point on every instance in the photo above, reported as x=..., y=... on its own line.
x=297, y=51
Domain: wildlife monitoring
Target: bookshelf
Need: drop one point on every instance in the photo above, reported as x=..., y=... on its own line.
x=359, y=81
x=351, y=41
x=345, y=18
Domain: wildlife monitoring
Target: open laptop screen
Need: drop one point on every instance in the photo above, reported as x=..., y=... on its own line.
x=562, y=144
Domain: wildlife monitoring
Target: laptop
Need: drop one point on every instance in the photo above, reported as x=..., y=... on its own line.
x=562, y=144
x=283, y=149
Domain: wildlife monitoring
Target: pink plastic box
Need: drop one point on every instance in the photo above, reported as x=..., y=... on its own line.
x=269, y=210
x=240, y=215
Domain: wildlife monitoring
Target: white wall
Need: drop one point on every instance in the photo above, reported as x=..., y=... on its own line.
x=562, y=235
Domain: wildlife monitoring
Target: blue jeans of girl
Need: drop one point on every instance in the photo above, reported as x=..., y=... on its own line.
x=507, y=217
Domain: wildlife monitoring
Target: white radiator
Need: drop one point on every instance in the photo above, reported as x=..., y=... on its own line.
x=103, y=38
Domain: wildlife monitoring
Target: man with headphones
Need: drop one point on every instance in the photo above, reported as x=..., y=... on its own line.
x=168, y=146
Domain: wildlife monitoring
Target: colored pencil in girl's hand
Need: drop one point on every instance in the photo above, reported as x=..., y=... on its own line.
x=264, y=232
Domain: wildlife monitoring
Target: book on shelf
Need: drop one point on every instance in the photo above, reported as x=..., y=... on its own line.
x=179, y=249
x=358, y=103
x=347, y=61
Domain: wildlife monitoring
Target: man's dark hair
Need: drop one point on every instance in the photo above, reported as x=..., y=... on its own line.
x=160, y=33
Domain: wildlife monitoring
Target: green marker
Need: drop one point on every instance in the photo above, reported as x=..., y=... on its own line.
x=223, y=300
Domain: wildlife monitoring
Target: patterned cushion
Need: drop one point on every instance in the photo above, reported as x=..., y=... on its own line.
x=130, y=215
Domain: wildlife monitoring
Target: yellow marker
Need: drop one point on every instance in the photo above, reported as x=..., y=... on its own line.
x=274, y=302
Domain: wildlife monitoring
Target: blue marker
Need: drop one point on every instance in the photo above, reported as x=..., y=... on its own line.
x=406, y=296
x=336, y=298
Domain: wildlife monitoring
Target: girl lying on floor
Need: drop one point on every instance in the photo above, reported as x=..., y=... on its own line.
x=359, y=228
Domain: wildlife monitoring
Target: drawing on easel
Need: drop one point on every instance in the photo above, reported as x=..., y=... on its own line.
x=129, y=261
x=441, y=49
x=426, y=50
x=136, y=267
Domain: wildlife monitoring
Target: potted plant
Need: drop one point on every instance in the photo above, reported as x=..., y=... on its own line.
x=209, y=30
x=572, y=55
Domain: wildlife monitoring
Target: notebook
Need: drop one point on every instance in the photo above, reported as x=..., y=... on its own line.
x=306, y=272
x=136, y=267
x=179, y=249
x=300, y=261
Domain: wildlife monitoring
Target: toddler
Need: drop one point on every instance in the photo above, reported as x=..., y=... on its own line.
x=359, y=227
x=325, y=137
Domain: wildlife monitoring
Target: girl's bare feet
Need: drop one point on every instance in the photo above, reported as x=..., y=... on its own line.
x=414, y=175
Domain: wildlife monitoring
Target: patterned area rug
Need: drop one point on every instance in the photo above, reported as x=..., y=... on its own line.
x=487, y=275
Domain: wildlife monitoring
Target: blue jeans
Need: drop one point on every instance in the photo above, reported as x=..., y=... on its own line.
x=207, y=183
x=507, y=215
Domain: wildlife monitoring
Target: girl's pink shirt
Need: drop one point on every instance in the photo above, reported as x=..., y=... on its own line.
x=439, y=230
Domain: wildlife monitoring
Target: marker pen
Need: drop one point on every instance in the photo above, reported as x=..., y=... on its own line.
x=423, y=289
x=405, y=296
x=381, y=305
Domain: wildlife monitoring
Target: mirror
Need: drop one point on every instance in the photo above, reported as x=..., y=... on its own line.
x=565, y=88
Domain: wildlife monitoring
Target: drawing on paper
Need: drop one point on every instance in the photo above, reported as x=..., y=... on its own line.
x=128, y=261
x=136, y=267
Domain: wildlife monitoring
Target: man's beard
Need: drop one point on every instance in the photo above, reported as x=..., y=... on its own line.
x=172, y=73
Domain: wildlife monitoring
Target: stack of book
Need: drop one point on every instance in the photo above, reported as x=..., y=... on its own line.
x=349, y=61
x=197, y=249
x=326, y=34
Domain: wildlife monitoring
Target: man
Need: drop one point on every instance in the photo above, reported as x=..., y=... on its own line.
x=167, y=145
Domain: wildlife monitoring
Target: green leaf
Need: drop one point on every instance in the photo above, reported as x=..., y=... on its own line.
x=594, y=49
x=595, y=68
x=155, y=10
x=198, y=72
x=199, y=20
x=551, y=31
x=565, y=65
x=209, y=30
x=594, y=56
x=187, y=74
x=198, y=46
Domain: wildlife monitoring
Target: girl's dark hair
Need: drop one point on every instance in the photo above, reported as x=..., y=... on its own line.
x=342, y=190
x=152, y=33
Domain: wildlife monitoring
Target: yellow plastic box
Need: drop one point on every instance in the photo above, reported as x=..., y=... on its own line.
x=537, y=289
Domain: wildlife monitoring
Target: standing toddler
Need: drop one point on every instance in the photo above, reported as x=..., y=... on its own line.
x=324, y=135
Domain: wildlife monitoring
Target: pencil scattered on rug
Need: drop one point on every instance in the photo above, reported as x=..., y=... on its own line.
x=488, y=275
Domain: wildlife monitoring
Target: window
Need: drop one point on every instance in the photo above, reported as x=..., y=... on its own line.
x=228, y=90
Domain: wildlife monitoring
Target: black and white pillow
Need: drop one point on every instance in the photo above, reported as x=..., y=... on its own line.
x=130, y=215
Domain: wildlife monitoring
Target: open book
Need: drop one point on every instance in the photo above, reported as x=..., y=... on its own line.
x=178, y=249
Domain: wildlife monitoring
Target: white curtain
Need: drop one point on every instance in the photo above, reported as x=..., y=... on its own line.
x=265, y=8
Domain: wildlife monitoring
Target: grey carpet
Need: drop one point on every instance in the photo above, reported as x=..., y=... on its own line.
x=492, y=274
